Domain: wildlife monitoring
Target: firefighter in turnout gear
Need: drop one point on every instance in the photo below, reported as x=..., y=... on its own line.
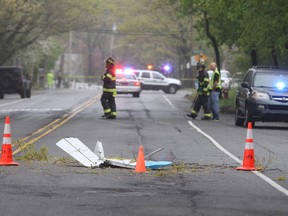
x=202, y=94
x=109, y=90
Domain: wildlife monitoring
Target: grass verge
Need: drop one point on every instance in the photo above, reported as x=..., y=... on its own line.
x=31, y=154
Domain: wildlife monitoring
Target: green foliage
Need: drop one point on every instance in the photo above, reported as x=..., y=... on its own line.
x=155, y=34
x=227, y=105
x=148, y=31
x=24, y=23
x=64, y=160
x=281, y=178
x=250, y=25
x=31, y=154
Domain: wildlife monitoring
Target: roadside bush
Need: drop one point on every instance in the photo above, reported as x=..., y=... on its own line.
x=227, y=105
x=31, y=154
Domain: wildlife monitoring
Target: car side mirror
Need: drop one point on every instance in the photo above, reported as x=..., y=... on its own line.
x=246, y=85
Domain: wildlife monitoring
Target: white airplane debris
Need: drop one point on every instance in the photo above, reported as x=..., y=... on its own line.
x=79, y=151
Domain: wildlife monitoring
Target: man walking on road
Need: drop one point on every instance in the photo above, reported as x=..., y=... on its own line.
x=109, y=90
x=215, y=91
x=202, y=94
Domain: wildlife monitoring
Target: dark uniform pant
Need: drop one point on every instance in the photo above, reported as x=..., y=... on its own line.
x=202, y=100
x=108, y=104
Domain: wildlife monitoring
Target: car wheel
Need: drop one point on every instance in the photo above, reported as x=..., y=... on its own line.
x=28, y=93
x=172, y=89
x=248, y=118
x=7, y=80
x=23, y=93
x=1, y=95
x=136, y=94
x=238, y=121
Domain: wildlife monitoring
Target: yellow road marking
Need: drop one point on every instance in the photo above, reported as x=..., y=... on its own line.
x=54, y=124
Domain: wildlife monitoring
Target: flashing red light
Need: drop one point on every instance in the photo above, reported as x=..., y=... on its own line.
x=137, y=83
x=119, y=71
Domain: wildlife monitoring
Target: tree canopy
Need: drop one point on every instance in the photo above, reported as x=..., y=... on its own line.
x=148, y=31
x=24, y=22
x=255, y=26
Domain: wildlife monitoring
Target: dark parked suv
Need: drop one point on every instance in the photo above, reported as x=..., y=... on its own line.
x=263, y=96
x=12, y=80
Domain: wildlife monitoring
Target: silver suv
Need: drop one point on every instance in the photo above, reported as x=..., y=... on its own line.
x=154, y=80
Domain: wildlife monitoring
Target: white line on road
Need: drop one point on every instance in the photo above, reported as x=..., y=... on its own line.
x=221, y=148
x=31, y=110
x=169, y=102
x=22, y=100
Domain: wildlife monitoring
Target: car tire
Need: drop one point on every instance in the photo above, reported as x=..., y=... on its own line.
x=136, y=94
x=28, y=93
x=238, y=121
x=1, y=95
x=248, y=118
x=23, y=93
x=172, y=89
x=7, y=80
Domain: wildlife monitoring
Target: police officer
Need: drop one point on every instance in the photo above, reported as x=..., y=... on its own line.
x=216, y=88
x=109, y=90
x=202, y=94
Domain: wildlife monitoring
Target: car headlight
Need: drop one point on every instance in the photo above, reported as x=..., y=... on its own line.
x=261, y=95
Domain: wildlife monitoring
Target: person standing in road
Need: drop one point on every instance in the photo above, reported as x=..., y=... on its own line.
x=202, y=94
x=109, y=90
x=50, y=80
x=216, y=87
x=59, y=79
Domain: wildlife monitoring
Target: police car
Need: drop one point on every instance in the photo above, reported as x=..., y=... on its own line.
x=127, y=83
x=262, y=96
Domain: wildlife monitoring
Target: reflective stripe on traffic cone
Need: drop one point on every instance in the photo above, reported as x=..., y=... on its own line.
x=248, y=160
x=6, y=157
x=140, y=163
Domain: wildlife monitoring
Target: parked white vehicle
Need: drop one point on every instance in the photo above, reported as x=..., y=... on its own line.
x=154, y=80
x=127, y=83
x=226, y=78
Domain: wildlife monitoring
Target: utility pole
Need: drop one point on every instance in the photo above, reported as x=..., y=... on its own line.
x=69, y=58
x=114, y=28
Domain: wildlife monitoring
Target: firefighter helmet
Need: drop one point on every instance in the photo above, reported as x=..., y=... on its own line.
x=200, y=64
x=110, y=61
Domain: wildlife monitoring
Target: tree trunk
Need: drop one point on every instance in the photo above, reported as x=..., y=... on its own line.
x=213, y=41
x=254, y=57
x=274, y=57
x=90, y=50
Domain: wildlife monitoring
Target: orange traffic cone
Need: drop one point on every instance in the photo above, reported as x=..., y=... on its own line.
x=6, y=157
x=248, y=160
x=140, y=163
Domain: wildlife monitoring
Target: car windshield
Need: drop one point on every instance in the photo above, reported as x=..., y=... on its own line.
x=271, y=80
x=125, y=76
x=224, y=75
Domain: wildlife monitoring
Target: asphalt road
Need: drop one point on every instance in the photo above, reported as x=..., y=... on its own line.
x=202, y=181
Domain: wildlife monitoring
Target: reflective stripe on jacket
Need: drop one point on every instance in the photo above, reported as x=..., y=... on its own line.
x=219, y=86
x=203, y=79
x=109, y=81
